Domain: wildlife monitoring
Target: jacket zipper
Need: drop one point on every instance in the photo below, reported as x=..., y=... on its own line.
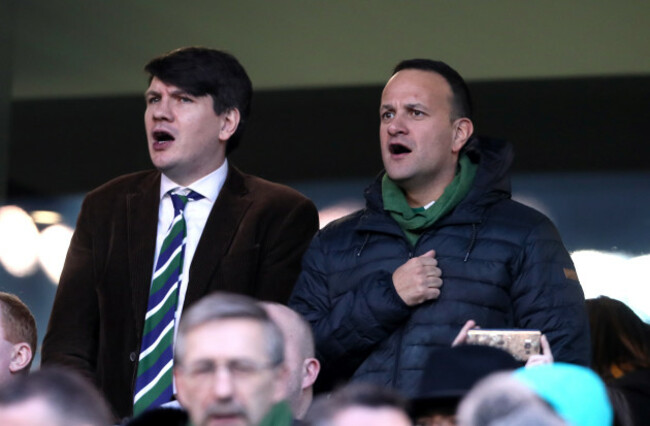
x=411, y=252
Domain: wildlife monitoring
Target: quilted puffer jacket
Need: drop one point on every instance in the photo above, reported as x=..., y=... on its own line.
x=503, y=265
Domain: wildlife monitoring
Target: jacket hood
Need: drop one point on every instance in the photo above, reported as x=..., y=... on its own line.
x=494, y=157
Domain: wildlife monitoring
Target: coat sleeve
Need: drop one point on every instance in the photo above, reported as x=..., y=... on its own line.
x=71, y=339
x=346, y=326
x=547, y=295
x=285, y=245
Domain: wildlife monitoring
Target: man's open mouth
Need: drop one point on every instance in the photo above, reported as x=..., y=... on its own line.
x=397, y=148
x=162, y=136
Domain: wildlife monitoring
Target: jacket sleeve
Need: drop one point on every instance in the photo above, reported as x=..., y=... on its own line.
x=547, y=295
x=71, y=339
x=286, y=243
x=348, y=325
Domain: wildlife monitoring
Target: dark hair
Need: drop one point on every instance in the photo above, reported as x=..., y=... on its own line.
x=18, y=323
x=201, y=71
x=461, y=102
x=618, y=336
x=326, y=407
x=74, y=400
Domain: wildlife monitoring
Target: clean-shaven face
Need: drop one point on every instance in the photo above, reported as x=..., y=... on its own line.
x=183, y=133
x=416, y=131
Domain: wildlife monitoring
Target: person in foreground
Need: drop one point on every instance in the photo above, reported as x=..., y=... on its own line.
x=299, y=355
x=573, y=394
x=440, y=242
x=52, y=397
x=359, y=404
x=148, y=245
x=229, y=364
x=18, y=338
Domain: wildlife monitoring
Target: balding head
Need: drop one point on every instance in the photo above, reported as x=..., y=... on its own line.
x=298, y=354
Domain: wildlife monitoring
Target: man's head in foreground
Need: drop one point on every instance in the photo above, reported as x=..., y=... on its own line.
x=359, y=404
x=196, y=105
x=228, y=361
x=299, y=355
x=425, y=120
x=52, y=397
x=17, y=337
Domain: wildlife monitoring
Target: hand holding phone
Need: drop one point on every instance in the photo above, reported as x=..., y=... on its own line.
x=521, y=344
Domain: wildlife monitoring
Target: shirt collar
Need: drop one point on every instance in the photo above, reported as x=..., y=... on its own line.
x=209, y=186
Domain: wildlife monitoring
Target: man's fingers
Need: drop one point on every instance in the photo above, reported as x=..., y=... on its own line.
x=433, y=272
x=434, y=283
x=428, y=262
x=546, y=347
x=432, y=293
x=461, y=337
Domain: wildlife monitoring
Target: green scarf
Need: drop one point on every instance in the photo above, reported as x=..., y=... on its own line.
x=415, y=220
x=280, y=415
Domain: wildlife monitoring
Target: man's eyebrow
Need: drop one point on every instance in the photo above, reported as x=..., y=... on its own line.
x=416, y=106
x=177, y=92
x=407, y=106
x=180, y=92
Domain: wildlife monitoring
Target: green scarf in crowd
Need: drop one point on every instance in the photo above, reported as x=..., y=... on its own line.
x=279, y=415
x=415, y=220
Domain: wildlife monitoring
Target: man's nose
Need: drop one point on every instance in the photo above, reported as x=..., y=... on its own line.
x=397, y=126
x=223, y=384
x=161, y=110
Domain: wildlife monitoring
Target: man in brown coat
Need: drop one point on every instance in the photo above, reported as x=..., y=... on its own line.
x=243, y=234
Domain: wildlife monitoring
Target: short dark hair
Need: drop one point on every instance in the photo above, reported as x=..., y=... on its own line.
x=461, y=102
x=618, y=336
x=72, y=398
x=201, y=71
x=18, y=323
x=368, y=395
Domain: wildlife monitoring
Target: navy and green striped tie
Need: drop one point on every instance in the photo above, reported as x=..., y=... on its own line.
x=154, y=382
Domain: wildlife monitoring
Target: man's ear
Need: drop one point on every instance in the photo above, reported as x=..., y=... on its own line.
x=311, y=368
x=463, y=129
x=21, y=356
x=229, y=123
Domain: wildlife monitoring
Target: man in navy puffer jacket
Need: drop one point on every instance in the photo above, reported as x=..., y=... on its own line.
x=440, y=242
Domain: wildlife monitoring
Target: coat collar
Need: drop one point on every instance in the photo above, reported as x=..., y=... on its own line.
x=142, y=218
x=223, y=222
x=492, y=183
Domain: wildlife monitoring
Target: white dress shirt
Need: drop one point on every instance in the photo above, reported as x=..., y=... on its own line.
x=196, y=215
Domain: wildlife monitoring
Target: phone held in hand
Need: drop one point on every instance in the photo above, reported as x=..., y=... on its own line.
x=521, y=344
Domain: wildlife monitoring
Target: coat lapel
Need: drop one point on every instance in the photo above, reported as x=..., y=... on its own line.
x=220, y=229
x=142, y=226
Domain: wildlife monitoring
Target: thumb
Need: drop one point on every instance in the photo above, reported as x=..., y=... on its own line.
x=430, y=253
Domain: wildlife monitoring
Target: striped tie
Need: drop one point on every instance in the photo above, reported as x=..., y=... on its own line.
x=153, y=386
